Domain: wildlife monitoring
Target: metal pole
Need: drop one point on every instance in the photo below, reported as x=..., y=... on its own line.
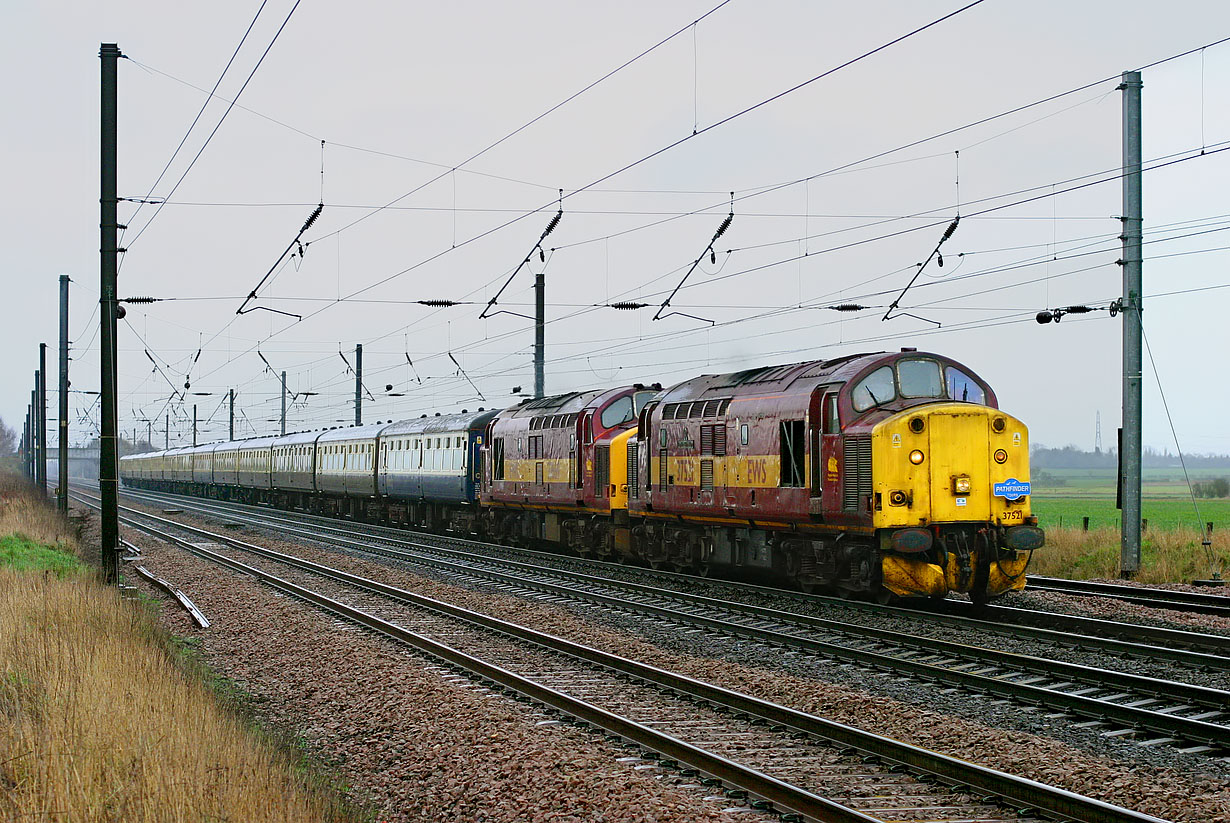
x=63, y=422
x=42, y=418
x=194, y=425
x=25, y=445
x=1131, y=307
x=32, y=457
x=358, y=384
x=232, y=430
x=108, y=462
x=166, y=443
x=283, y=402
x=540, y=325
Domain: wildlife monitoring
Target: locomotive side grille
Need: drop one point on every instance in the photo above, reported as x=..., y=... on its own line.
x=856, y=466
x=706, y=474
x=602, y=470
x=634, y=473
x=706, y=439
x=719, y=439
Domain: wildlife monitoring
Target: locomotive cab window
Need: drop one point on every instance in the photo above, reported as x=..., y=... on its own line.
x=964, y=388
x=618, y=412
x=920, y=378
x=874, y=389
x=832, y=423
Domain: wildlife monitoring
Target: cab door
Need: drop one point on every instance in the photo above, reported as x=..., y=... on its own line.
x=825, y=452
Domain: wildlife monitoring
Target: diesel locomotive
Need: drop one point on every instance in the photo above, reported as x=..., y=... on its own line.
x=882, y=475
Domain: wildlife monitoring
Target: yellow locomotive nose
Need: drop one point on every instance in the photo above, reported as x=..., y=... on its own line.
x=957, y=474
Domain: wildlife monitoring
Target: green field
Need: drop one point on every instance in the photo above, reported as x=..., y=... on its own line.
x=1063, y=497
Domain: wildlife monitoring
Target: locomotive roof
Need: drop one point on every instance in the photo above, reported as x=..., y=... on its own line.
x=443, y=423
x=565, y=403
x=791, y=377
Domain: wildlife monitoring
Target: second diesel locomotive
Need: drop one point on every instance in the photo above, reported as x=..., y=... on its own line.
x=887, y=474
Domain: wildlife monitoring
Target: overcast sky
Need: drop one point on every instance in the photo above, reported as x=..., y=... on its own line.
x=402, y=93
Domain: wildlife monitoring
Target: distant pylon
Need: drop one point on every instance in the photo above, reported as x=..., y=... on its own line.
x=1097, y=437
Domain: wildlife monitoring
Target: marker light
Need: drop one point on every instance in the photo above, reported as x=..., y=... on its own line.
x=1001, y=456
x=916, y=457
x=960, y=485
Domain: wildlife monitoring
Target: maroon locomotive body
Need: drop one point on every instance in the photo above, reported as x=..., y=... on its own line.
x=803, y=470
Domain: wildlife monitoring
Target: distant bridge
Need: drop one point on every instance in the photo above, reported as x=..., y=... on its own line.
x=82, y=464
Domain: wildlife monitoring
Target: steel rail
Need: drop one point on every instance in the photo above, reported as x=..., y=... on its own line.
x=175, y=592
x=1017, y=790
x=1199, y=602
x=1210, y=652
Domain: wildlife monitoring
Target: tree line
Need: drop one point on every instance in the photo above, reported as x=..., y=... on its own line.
x=1070, y=457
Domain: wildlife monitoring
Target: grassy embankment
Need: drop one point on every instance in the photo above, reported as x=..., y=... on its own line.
x=1171, y=550
x=101, y=718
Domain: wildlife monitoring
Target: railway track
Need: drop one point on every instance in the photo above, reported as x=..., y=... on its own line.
x=1198, y=602
x=1128, y=640
x=1156, y=711
x=780, y=761
x=1064, y=629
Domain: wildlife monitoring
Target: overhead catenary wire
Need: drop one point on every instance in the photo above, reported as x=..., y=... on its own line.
x=658, y=152
x=1003, y=113
x=307, y=224
x=708, y=251
x=217, y=125
x=544, y=114
x=662, y=150
x=537, y=247
x=209, y=97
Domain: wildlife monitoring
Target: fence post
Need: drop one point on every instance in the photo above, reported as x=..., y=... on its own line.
x=1085, y=523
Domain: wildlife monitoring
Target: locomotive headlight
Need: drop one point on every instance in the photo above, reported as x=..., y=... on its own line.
x=961, y=484
x=1001, y=456
x=916, y=457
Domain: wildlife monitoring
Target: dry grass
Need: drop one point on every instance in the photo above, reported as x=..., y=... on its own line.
x=1170, y=556
x=22, y=512
x=101, y=720
x=98, y=722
